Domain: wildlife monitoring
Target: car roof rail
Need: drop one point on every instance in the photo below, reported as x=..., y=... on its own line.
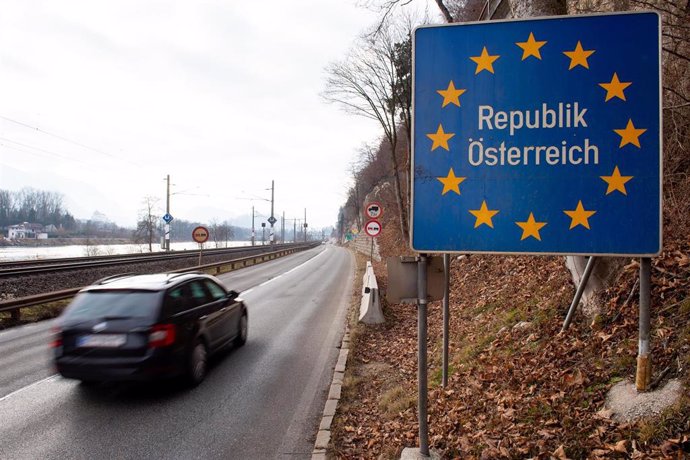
x=113, y=277
x=172, y=276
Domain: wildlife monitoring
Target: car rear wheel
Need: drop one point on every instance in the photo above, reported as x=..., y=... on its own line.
x=241, y=338
x=198, y=360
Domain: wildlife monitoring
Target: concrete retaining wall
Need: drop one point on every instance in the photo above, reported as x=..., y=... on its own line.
x=362, y=243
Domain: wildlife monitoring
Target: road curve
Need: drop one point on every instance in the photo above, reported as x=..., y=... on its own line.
x=261, y=401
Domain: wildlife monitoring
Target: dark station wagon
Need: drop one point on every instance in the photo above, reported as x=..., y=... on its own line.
x=141, y=327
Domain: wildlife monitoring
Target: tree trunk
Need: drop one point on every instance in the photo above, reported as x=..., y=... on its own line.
x=444, y=11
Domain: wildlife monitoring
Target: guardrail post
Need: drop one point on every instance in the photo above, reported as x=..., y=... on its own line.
x=16, y=314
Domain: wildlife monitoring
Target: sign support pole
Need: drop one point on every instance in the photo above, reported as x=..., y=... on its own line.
x=643, y=375
x=371, y=253
x=201, y=248
x=578, y=294
x=446, y=317
x=422, y=356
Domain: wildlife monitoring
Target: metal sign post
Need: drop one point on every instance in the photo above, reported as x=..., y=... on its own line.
x=423, y=387
x=373, y=229
x=200, y=235
x=446, y=317
x=643, y=375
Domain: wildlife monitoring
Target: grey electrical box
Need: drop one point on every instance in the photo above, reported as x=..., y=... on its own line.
x=402, y=279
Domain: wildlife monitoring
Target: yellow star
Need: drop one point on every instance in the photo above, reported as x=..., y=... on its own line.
x=451, y=95
x=579, y=216
x=531, y=47
x=450, y=182
x=616, y=181
x=615, y=88
x=531, y=227
x=484, y=61
x=630, y=135
x=483, y=215
x=578, y=56
x=440, y=139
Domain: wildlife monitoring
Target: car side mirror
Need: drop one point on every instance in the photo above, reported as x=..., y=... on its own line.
x=232, y=295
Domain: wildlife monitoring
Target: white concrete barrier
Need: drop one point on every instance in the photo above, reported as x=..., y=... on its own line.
x=370, y=307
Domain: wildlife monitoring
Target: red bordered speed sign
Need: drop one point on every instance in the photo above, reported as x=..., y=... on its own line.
x=200, y=234
x=373, y=228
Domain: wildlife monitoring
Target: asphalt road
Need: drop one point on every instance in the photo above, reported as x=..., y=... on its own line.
x=261, y=401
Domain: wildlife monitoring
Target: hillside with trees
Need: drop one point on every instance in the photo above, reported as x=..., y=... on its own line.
x=518, y=388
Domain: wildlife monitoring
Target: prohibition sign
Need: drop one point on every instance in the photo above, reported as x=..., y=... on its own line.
x=200, y=234
x=373, y=228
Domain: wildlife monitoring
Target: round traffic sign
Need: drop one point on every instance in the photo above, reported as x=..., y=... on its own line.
x=373, y=210
x=373, y=228
x=200, y=234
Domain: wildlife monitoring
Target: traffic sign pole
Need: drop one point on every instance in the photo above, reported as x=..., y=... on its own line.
x=200, y=235
x=423, y=386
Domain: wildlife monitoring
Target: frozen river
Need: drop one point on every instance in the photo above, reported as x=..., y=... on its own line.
x=55, y=252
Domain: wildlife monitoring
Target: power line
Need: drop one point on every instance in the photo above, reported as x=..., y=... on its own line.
x=38, y=149
x=57, y=136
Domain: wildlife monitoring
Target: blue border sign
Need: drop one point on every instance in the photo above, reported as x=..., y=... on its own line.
x=538, y=136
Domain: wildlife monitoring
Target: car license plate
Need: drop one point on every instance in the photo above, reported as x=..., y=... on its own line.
x=101, y=340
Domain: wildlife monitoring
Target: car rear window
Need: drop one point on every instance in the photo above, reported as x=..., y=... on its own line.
x=114, y=304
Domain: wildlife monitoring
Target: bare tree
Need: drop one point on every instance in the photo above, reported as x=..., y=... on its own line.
x=147, y=225
x=221, y=233
x=387, y=7
x=370, y=83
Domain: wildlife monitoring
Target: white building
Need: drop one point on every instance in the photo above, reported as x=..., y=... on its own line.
x=25, y=231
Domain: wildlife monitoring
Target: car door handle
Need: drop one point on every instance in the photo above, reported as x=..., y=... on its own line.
x=204, y=317
x=224, y=309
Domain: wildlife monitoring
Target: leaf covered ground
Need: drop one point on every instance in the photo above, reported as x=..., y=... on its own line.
x=517, y=388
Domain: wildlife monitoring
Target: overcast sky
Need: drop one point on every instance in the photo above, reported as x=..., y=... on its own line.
x=100, y=100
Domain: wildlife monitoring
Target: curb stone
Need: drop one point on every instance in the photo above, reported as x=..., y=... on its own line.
x=323, y=437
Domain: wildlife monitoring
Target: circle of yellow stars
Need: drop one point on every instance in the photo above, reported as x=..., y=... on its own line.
x=531, y=48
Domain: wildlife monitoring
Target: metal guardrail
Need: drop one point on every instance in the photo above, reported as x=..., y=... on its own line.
x=14, y=305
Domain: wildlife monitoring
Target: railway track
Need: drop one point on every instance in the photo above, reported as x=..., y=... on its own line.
x=35, y=267
x=51, y=280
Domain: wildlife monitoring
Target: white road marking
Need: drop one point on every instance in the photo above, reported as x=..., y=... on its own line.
x=52, y=377
x=282, y=274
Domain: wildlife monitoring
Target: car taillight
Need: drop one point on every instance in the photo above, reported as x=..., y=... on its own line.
x=162, y=335
x=56, y=341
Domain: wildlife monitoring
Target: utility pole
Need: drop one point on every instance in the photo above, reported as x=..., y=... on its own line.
x=253, y=233
x=305, y=225
x=272, y=220
x=282, y=229
x=166, y=241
